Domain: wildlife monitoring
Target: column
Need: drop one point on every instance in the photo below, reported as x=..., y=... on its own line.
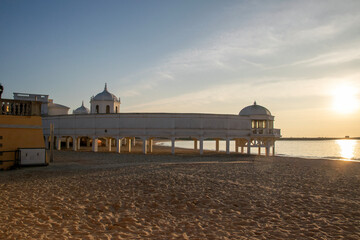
x=129, y=144
x=67, y=142
x=173, y=146
x=145, y=143
x=109, y=146
x=242, y=149
x=78, y=143
x=259, y=148
x=249, y=147
x=236, y=145
x=274, y=148
x=195, y=144
x=118, y=145
x=58, y=143
x=150, y=142
x=217, y=145
x=87, y=142
x=74, y=143
x=227, y=146
x=267, y=149
x=201, y=146
x=95, y=144
x=134, y=142
x=106, y=142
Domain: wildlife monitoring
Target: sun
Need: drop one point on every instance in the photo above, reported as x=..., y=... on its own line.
x=345, y=99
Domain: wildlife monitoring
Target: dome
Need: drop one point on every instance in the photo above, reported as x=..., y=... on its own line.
x=105, y=96
x=81, y=110
x=254, y=110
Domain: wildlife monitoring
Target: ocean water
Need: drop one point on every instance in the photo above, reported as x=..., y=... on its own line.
x=345, y=149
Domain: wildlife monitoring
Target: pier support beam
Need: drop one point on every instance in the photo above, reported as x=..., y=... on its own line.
x=78, y=143
x=273, y=149
x=237, y=145
x=150, y=143
x=67, y=142
x=249, y=147
x=129, y=144
x=227, y=146
x=195, y=144
x=145, y=145
x=109, y=146
x=95, y=144
x=58, y=143
x=173, y=146
x=217, y=145
x=74, y=143
x=118, y=145
x=201, y=146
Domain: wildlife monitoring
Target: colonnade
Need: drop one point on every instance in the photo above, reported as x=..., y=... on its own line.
x=147, y=144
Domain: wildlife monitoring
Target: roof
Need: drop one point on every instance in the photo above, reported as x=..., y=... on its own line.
x=81, y=110
x=254, y=110
x=55, y=105
x=105, y=96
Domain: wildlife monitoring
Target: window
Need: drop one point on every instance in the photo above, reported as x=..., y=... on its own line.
x=116, y=110
x=97, y=108
x=107, y=109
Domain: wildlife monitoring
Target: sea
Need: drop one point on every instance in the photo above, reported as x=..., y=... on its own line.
x=341, y=149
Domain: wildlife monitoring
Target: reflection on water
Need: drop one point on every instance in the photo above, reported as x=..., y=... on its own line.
x=347, y=148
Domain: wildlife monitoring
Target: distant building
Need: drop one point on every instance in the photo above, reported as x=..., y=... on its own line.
x=105, y=102
x=253, y=127
x=81, y=110
x=48, y=107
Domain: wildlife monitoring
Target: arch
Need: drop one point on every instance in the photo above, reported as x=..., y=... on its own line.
x=97, y=108
x=107, y=108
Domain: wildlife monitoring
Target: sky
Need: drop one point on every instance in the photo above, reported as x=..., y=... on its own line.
x=299, y=59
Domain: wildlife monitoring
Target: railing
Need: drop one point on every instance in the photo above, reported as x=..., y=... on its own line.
x=19, y=107
x=265, y=131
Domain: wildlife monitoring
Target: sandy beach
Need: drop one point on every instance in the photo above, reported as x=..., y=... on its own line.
x=86, y=195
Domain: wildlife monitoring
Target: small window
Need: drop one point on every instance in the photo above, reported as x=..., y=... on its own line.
x=97, y=108
x=1, y=145
x=116, y=109
x=107, y=109
x=1, y=137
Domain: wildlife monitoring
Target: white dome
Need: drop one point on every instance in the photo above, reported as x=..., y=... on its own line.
x=81, y=110
x=254, y=110
x=105, y=96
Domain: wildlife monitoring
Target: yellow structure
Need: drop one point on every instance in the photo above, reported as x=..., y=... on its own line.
x=20, y=128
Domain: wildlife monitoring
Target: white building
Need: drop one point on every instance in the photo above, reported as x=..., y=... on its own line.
x=252, y=127
x=105, y=102
x=81, y=110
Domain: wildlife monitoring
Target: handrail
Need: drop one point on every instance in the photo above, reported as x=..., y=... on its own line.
x=20, y=107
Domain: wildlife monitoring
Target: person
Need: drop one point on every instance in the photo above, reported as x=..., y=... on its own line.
x=1, y=89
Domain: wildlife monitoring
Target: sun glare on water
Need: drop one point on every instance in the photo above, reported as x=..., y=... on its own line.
x=347, y=148
x=345, y=99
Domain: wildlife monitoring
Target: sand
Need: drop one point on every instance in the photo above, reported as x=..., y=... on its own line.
x=85, y=195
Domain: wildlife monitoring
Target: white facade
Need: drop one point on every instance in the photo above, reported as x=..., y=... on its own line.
x=253, y=127
x=105, y=102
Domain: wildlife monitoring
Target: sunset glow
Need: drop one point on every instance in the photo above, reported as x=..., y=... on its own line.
x=345, y=100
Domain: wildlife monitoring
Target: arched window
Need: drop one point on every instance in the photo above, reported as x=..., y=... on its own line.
x=97, y=108
x=116, y=110
x=107, y=109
